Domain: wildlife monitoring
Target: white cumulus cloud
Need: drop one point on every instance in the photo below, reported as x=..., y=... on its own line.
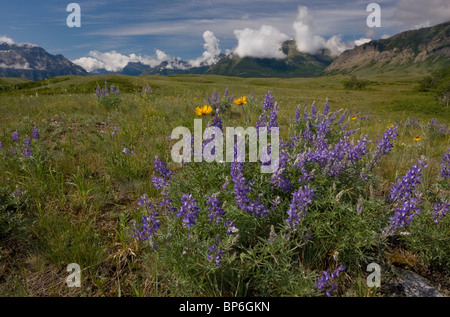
x=362, y=41
x=113, y=61
x=305, y=38
x=310, y=42
x=211, y=53
x=263, y=43
x=5, y=39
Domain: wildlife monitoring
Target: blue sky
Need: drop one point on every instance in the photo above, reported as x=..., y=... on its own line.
x=177, y=27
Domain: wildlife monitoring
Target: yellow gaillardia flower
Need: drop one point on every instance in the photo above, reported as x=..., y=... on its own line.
x=354, y=118
x=199, y=111
x=417, y=139
x=240, y=101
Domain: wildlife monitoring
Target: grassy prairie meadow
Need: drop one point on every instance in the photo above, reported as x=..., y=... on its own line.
x=88, y=178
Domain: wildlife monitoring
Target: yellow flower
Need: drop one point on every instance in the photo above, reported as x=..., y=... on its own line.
x=388, y=127
x=240, y=101
x=199, y=111
x=417, y=139
x=354, y=118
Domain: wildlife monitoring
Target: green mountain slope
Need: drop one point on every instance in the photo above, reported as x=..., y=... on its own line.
x=296, y=64
x=416, y=51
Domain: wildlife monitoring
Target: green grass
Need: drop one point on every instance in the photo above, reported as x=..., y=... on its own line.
x=80, y=192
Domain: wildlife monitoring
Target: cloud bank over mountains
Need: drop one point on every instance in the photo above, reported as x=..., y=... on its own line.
x=113, y=61
x=264, y=42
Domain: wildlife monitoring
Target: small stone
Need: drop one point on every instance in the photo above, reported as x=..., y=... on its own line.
x=416, y=286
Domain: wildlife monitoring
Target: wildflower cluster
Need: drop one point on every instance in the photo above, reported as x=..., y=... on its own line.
x=24, y=147
x=385, y=145
x=301, y=199
x=326, y=281
x=440, y=129
x=149, y=223
x=146, y=92
x=445, y=169
x=215, y=253
x=188, y=210
x=108, y=97
x=216, y=101
x=440, y=210
x=405, y=199
x=233, y=217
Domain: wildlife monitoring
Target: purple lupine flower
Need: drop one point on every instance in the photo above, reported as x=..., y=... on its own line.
x=217, y=120
x=441, y=128
x=278, y=178
x=359, y=150
x=159, y=182
x=241, y=189
x=440, y=210
x=1, y=145
x=215, y=208
x=126, y=150
x=27, y=151
x=226, y=93
x=267, y=106
x=189, y=210
x=230, y=227
x=114, y=132
x=300, y=202
x=297, y=114
x=406, y=201
x=35, y=133
x=323, y=128
x=166, y=203
x=276, y=202
x=268, y=102
x=325, y=282
x=313, y=111
x=150, y=225
x=342, y=118
x=15, y=136
x=445, y=170
x=117, y=91
x=215, y=253
x=273, y=118
x=13, y=152
x=326, y=108
x=240, y=185
x=385, y=145
x=405, y=213
x=98, y=91
x=272, y=237
x=305, y=112
x=404, y=187
x=162, y=169
x=359, y=209
x=307, y=134
x=143, y=201
x=18, y=191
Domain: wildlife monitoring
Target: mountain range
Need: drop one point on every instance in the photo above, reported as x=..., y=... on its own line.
x=426, y=49
x=34, y=63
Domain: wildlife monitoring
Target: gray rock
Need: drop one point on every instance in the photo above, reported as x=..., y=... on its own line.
x=417, y=286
